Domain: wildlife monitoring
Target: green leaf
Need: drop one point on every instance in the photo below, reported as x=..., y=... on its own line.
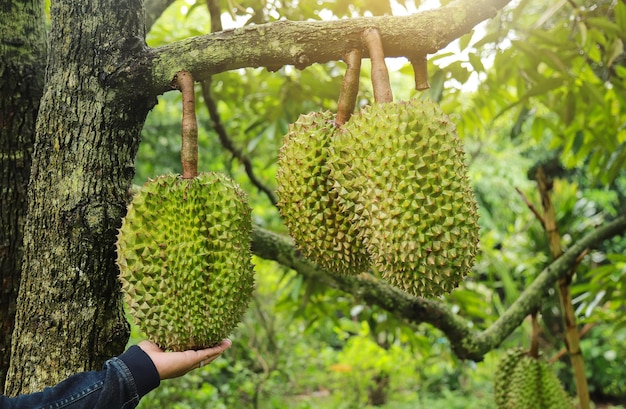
x=542, y=88
x=620, y=17
x=476, y=62
x=617, y=50
x=465, y=40
x=604, y=25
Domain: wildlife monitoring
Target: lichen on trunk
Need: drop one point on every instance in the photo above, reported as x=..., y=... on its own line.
x=22, y=64
x=87, y=134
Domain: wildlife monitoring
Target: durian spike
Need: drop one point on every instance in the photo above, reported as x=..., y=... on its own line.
x=349, y=87
x=380, y=75
x=420, y=71
x=189, y=146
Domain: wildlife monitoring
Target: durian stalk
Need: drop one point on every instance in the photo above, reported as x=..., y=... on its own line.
x=380, y=75
x=349, y=87
x=189, y=147
x=420, y=71
x=534, y=337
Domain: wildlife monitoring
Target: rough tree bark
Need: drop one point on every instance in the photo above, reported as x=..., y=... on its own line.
x=22, y=64
x=70, y=315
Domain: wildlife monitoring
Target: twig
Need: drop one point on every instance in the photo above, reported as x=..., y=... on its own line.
x=532, y=208
x=216, y=15
x=563, y=351
x=229, y=145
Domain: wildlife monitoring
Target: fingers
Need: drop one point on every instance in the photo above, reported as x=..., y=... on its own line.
x=207, y=356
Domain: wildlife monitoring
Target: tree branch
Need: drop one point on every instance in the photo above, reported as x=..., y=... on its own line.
x=154, y=9
x=465, y=343
x=303, y=43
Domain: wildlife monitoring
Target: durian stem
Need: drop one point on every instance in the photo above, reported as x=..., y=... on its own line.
x=349, y=87
x=189, y=146
x=420, y=71
x=572, y=339
x=534, y=335
x=380, y=75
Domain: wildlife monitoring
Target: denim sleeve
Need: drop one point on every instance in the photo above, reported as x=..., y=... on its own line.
x=121, y=383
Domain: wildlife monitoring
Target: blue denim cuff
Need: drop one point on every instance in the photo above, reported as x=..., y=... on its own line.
x=143, y=369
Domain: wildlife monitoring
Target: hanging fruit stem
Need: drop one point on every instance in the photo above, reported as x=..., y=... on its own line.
x=189, y=147
x=420, y=71
x=380, y=75
x=349, y=87
x=534, y=336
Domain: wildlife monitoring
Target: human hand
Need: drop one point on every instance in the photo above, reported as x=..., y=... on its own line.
x=175, y=364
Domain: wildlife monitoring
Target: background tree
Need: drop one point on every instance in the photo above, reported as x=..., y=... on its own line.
x=102, y=81
x=22, y=52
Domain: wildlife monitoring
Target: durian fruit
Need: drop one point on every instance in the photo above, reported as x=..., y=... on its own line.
x=524, y=382
x=504, y=373
x=399, y=166
x=185, y=259
x=308, y=202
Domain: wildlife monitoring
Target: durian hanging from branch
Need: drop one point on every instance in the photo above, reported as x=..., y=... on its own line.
x=399, y=167
x=307, y=200
x=384, y=188
x=184, y=250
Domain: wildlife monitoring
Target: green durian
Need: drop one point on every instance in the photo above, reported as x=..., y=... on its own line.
x=399, y=167
x=504, y=373
x=524, y=382
x=185, y=259
x=308, y=201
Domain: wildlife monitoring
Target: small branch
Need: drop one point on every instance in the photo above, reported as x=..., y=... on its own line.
x=549, y=214
x=216, y=15
x=349, y=87
x=229, y=145
x=563, y=351
x=380, y=74
x=189, y=147
x=154, y=9
x=532, y=207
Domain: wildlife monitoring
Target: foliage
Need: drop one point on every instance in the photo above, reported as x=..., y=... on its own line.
x=542, y=84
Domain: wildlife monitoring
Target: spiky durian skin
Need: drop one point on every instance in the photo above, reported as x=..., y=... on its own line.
x=308, y=201
x=185, y=260
x=552, y=392
x=400, y=168
x=524, y=382
x=503, y=374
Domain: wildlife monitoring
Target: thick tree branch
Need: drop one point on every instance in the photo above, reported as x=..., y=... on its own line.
x=304, y=43
x=466, y=343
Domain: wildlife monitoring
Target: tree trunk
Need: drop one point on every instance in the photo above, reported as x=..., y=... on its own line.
x=22, y=65
x=86, y=139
